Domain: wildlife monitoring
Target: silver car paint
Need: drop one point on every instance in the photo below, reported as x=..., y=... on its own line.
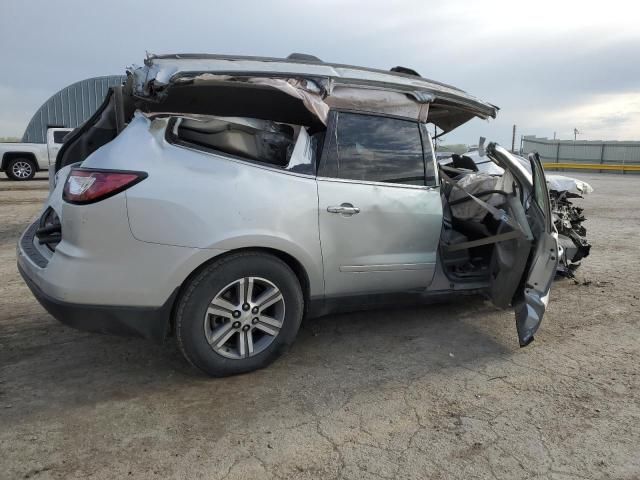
x=213, y=202
x=216, y=203
x=390, y=245
x=89, y=266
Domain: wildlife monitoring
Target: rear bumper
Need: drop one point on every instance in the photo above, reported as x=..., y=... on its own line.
x=147, y=322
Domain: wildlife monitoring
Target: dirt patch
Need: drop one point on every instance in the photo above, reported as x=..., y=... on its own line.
x=435, y=392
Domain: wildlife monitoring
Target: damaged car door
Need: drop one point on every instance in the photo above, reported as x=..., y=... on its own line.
x=529, y=283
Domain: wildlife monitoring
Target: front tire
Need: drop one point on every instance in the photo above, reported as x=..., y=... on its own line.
x=20, y=169
x=239, y=314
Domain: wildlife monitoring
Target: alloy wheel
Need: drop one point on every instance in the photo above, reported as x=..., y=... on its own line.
x=22, y=169
x=244, y=317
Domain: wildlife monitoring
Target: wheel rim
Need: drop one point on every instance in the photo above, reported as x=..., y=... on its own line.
x=244, y=317
x=21, y=169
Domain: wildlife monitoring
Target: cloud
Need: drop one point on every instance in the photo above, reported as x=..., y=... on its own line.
x=604, y=116
x=534, y=59
x=18, y=106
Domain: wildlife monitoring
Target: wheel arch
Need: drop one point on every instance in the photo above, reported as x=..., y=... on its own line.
x=298, y=269
x=8, y=156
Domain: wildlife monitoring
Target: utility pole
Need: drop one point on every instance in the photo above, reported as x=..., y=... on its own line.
x=554, y=135
x=513, y=140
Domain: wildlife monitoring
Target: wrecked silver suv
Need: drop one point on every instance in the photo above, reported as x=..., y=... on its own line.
x=220, y=199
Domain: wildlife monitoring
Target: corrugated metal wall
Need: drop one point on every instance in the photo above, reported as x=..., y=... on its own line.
x=598, y=151
x=70, y=107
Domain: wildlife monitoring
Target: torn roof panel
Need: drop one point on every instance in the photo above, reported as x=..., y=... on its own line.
x=292, y=59
x=343, y=85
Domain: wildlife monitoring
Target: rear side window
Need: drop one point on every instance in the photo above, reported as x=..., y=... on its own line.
x=540, y=192
x=379, y=149
x=287, y=146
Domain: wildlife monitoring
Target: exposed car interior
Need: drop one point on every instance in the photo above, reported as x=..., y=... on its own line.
x=484, y=222
x=236, y=119
x=288, y=146
x=260, y=140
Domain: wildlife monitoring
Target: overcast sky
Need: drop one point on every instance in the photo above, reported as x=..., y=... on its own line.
x=549, y=65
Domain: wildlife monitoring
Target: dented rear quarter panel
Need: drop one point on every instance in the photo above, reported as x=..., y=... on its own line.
x=232, y=203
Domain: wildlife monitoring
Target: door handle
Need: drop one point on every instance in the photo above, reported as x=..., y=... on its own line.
x=344, y=209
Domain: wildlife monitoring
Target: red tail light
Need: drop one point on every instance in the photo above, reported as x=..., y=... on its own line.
x=91, y=185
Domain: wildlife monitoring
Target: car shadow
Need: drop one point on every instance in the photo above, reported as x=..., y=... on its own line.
x=47, y=367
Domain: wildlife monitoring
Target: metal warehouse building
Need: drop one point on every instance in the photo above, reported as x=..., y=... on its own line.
x=70, y=107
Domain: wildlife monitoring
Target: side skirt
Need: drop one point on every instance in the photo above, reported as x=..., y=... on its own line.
x=321, y=306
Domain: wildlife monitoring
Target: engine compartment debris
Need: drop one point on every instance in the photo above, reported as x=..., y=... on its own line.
x=568, y=220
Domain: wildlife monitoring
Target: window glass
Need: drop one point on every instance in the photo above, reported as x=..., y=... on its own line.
x=58, y=136
x=303, y=156
x=541, y=195
x=249, y=138
x=379, y=149
x=429, y=158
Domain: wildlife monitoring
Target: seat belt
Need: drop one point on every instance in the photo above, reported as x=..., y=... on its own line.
x=501, y=237
x=497, y=214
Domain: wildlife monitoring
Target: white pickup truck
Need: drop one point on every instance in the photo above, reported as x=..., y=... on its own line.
x=21, y=161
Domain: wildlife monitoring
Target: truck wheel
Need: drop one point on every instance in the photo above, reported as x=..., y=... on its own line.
x=239, y=314
x=20, y=169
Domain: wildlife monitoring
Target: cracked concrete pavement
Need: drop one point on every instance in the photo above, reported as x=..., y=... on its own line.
x=433, y=392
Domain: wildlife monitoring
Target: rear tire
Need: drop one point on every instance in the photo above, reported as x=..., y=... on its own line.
x=20, y=169
x=239, y=314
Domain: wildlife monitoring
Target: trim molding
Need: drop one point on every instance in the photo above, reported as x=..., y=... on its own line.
x=389, y=267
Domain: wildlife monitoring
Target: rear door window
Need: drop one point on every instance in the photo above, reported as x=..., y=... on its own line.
x=540, y=191
x=379, y=149
x=287, y=146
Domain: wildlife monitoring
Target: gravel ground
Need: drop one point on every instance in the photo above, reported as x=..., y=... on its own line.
x=434, y=392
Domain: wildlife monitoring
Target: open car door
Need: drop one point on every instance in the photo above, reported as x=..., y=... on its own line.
x=532, y=300
x=522, y=269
